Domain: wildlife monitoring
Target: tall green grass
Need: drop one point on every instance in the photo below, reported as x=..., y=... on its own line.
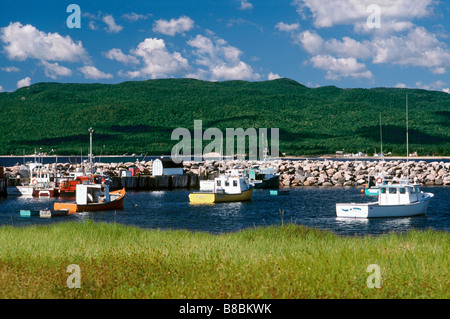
x=285, y=261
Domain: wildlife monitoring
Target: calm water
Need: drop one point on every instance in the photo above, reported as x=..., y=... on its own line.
x=309, y=206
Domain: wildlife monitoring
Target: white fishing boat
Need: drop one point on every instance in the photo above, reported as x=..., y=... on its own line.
x=401, y=199
x=394, y=200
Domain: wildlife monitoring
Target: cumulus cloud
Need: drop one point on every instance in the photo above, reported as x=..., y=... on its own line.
x=220, y=60
x=1, y=88
x=54, y=70
x=26, y=42
x=396, y=15
x=158, y=61
x=340, y=67
x=118, y=55
x=397, y=42
x=24, y=82
x=173, y=26
x=417, y=48
x=91, y=72
x=273, y=76
x=111, y=25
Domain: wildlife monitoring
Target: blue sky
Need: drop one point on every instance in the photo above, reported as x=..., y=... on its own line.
x=347, y=43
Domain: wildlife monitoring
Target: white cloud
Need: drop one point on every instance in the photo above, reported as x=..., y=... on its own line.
x=133, y=17
x=174, y=26
x=347, y=47
x=400, y=85
x=24, y=82
x=446, y=90
x=398, y=41
x=1, y=88
x=287, y=27
x=92, y=25
x=418, y=48
x=396, y=14
x=222, y=61
x=339, y=68
x=91, y=72
x=53, y=70
x=273, y=76
x=10, y=69
x=112, y=27
x=435, y=86
x=118, y=55
x=311, y=42
x=245, y=5
x=25, y=41
x=158, y=61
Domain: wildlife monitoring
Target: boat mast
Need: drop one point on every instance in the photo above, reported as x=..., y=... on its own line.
x=381, y=138
x=407, y=141
x=91, y=131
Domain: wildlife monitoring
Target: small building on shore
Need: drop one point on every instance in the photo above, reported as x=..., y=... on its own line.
x=165, y=166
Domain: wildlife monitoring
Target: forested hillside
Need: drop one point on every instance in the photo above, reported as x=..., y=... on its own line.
x=139, y=117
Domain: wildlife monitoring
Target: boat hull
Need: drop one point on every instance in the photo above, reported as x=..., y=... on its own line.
x=20, y=190
x=374, y=210
x=45, y=192
x=210, y=198
x=112, y=205
x=53, y=213
x=273, y=183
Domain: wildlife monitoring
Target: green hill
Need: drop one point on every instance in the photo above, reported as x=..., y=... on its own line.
x=139, y=117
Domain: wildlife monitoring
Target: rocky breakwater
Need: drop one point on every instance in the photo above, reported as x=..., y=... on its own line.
x=355, y=173
x=334, y=173
x=292, y=173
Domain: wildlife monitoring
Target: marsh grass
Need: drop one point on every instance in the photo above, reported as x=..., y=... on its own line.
x=285, y=261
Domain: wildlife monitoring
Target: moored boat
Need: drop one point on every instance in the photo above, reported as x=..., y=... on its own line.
x=279, y=192
x=264, y=178
x=226, y=188
x=394, y=200
x=93, y=197
x=47, y=213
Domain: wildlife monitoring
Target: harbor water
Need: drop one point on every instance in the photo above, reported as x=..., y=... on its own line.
x=309, y=206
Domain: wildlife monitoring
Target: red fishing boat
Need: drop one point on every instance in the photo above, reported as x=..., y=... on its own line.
x=68, y=187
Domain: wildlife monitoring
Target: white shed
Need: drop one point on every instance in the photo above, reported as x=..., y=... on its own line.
x=165, y=166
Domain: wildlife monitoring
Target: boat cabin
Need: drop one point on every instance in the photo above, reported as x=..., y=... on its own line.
x=92, y=193
x=40, y=175
x=397, y=194
x=230, y=184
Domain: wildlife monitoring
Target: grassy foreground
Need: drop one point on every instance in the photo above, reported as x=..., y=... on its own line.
x=286, y=261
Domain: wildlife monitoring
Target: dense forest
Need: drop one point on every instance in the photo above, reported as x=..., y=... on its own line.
x=139, y=117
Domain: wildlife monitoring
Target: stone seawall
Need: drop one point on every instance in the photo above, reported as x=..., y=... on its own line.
x=292, y=173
